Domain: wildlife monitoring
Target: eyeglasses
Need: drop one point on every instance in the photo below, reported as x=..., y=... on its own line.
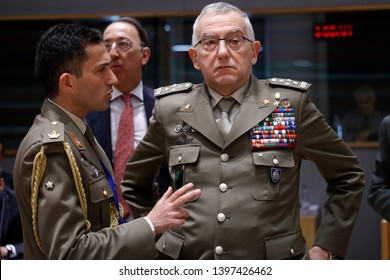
x=234, y=42
x=123, y=45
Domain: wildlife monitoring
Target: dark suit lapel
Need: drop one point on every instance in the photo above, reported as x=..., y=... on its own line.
x=148, y=95
x=101, y=125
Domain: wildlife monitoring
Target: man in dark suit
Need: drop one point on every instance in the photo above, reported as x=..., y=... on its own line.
x=11, y=235
x=246, y=157
x=379, y=191
x=63, y=179
x=128, y=45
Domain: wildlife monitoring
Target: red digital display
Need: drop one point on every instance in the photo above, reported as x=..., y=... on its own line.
x=330, y=31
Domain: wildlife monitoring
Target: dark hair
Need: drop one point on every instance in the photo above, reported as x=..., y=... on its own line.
x=143, y=35
x=61, y=49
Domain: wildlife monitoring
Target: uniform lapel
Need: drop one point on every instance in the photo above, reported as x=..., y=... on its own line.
x=197, y=112
x=257, y=104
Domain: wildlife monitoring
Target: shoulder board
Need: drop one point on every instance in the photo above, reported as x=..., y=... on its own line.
x=54, y=132
x=162, y=91
x=300, y=85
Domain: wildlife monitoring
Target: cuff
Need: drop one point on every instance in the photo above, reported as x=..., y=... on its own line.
x=151, y=226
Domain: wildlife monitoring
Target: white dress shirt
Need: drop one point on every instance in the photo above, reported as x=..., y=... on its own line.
x=139, y=114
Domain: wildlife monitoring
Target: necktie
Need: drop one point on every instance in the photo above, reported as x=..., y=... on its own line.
x=124, y=148
x=225, y=105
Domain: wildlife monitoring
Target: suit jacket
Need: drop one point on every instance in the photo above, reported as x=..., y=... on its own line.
x=244, y=211
x=101, y=126
x=61, y=223
x=379, y=191
x=11, y=227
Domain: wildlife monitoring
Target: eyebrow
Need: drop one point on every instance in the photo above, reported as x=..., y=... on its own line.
x=229, y=33
x=117, y=38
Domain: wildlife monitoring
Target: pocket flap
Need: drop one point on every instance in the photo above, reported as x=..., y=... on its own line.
x=183, y=154
x=99, y=190
x=273, y=158
x=170, y=244
x=285, y=245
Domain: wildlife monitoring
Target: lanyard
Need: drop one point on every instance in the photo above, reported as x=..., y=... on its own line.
x=112, y=185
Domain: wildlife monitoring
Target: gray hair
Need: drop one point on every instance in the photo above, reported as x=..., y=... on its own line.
x=221, y=8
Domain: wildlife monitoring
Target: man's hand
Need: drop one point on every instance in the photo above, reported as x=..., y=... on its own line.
x=168, y=212
x=317, y=253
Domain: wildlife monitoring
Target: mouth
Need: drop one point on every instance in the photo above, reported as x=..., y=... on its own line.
x=225, y=67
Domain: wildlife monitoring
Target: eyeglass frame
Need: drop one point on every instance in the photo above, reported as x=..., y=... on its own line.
x=121, y=40
x=220, y=39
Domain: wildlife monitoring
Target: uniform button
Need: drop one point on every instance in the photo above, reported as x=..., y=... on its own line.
x=223, y=187
x=221, y=217
x=219, y=250
x=275, y=161
x=224, y=157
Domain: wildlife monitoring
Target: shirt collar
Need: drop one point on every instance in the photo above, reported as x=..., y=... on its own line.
x=138, y=92
x=238, y=95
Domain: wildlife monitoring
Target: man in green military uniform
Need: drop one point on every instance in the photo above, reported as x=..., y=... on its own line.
x=62, y=177
x=245, y=156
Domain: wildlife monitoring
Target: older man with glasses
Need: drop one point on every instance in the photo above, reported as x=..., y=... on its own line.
x=242, y=140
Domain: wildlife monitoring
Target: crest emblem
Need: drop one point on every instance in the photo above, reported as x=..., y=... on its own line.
x=275, y=174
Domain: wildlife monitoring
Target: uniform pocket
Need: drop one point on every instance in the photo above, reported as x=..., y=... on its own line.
x=285, y=245
x=99, y=189
x=170, y=244
x=269, y=168
x=182, y=163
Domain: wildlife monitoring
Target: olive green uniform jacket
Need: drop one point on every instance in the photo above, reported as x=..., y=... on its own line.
x=243, y=211
x=61, y=224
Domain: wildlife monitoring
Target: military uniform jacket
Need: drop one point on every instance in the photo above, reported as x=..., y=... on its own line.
x=379, y=191
x=244, y=211
x=60, y=220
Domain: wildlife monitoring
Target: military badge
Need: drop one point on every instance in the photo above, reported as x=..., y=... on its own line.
x=75, y=139
x=277, y=130
x=49, y=185
x=285, y=102
x=275, y=174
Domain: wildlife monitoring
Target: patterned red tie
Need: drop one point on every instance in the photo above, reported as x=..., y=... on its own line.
x=124, y=148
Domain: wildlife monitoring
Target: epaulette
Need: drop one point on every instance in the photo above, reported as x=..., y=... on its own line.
x=162, y=91
x=54, y=132
x=300, y=85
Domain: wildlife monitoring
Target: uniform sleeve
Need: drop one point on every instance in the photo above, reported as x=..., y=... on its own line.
x=379, y=191
x=61, y=223
x=341, y=170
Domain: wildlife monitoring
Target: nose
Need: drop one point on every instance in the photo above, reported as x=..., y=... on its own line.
x=113, y=51
x=112, y=79
x=223, y=49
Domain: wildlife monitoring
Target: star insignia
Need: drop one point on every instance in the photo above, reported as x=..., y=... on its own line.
x=49, y=185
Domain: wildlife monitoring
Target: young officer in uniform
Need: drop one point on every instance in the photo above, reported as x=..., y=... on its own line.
x=62, y=177
x=245, y=156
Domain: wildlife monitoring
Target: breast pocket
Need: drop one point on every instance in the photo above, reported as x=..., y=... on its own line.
x=182, y=163
x=269, y=169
